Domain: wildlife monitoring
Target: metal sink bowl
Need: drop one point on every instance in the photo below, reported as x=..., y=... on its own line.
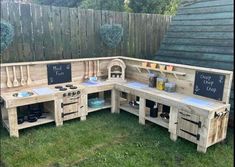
x=23, y=94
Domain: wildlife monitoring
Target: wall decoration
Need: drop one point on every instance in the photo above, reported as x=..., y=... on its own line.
x=7, y=34
x=111, y=34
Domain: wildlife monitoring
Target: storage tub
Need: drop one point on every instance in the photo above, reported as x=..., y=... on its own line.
x=96, y=102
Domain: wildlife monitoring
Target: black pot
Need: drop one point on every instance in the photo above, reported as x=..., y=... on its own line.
x=154, y=112
x=20, y=120
x=32, y=118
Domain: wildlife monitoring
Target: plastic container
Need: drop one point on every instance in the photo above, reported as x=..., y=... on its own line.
x=169, y=68
x=152, y=80
x=161, y=83
x=153, y=65
x=154, y=112
x=170, y=87
x=162, y=67
x=144, y=64
x=96, y=102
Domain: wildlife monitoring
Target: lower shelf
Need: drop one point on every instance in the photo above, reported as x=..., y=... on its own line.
x=105, y=106
x=157, y=121
x=126, y=107
x=26, y=124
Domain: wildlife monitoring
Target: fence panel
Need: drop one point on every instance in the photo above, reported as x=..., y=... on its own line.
x=49, y=33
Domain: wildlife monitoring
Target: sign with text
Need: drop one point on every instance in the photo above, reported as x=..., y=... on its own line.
x=209, y=85
x=59, y=73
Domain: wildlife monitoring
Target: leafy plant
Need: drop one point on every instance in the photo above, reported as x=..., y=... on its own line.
x=115, y=5
x=111, y=34
x=151, y=6
x=7, y=34
x=66, y=3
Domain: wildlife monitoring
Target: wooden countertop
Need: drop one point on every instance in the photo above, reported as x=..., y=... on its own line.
x=185, y=102
x=181, y=101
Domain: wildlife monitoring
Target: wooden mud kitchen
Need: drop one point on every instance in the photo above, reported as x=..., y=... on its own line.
x=191, y=102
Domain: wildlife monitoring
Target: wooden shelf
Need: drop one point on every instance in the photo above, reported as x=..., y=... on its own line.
x=158, y=120
x=158, y=70
x=26, y=124
x=126, y=107
x=105, y=106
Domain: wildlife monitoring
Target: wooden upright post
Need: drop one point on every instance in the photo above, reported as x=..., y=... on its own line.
x=173, y=123
x=142, y=108
x=115, y=101
x=13, y=124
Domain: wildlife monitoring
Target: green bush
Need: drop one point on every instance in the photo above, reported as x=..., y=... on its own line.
x=151, y=6
x=66, y=3
x=168, y=7
x=114, y=5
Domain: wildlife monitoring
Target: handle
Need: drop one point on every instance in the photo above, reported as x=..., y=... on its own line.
x=221, y=114
x=185, y=114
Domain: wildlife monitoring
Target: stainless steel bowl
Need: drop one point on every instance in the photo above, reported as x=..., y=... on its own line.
x=23, y=94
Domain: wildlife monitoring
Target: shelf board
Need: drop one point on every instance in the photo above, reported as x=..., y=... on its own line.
x=157, y=121
x=105, y=106
x=26, y=124
x=126, y=107
x=162, y=71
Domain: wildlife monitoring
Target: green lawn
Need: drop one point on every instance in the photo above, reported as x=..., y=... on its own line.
x=108, y=140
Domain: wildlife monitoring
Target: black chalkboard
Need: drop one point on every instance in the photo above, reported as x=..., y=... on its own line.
x=59, y=73
x=209, y=85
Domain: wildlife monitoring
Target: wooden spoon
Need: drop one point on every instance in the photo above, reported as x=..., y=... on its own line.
x=29, y=81
x=22, y=82
x=15, y=81
x=9, y=83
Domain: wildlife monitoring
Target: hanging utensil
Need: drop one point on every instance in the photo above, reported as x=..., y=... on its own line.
x=29, y=81
x=22, y=82
x=15, y=81
x=98, y=67
x=85, y=76
x=94, y=68
x=9, y=83
x=86, y=69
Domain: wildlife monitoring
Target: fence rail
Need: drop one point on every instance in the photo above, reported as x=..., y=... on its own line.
x=47, y=32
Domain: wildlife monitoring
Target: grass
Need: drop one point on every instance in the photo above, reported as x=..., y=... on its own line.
x=108, y=140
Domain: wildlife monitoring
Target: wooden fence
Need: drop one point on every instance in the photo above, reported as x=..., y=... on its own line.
x=47, y=32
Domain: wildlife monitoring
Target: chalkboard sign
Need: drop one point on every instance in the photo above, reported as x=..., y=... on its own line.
x=209, y=85
x=59, y=73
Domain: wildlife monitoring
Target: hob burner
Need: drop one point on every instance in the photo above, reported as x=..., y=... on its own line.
x=73, y=87
x=63, y=89
x=58, y=87
x=68, y=85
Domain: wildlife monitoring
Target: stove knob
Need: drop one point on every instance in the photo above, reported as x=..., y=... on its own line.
x=64, y=94
x=74, y=93
x=69, y=94
x=78, y=92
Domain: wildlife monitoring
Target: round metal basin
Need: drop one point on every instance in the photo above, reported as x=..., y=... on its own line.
x=23, y=94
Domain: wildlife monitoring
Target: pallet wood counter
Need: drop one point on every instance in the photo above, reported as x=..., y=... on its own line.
x=197, y=112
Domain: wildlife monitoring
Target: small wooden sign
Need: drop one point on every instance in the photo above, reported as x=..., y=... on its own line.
x=209, y=85
x=59, y=73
